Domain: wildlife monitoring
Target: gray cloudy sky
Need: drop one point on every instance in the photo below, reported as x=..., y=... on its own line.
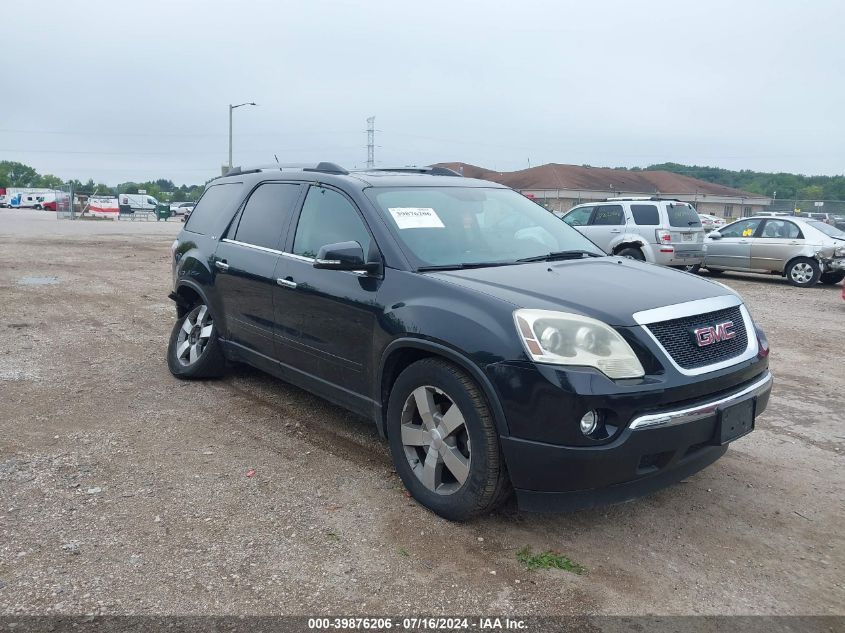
x=130, y=90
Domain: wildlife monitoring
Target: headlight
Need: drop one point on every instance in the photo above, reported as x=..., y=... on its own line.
x=560, y=338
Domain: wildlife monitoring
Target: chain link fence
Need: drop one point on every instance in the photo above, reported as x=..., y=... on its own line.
x=804, y=207
x=64, y=202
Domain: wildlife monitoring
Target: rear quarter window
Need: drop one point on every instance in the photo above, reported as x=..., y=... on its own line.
x=645, y=214
x=682, y=215
x=217, y=200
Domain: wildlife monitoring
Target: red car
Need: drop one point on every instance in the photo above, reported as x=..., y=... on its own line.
x=49, y=206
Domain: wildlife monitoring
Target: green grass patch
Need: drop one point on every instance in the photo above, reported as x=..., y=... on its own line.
x=403, y=552
x=548, y=560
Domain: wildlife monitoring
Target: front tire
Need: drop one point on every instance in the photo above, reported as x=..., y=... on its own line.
x=444, y=442
x=831, y=279
x=803, y=272
x=194, y=351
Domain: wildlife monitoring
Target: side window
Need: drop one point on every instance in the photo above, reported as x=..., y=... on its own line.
x=609, y=214
x=266, y=214
x=781, y=229
x=578, y=217
x=327, y=218
x=645, y=214
x=743, y=228
x=216, y=200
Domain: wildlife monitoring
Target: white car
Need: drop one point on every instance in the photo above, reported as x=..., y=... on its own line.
x=711, y=222
x=181, y=208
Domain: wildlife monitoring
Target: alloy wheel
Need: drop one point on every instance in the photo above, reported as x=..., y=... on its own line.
x=435, y=439
x=194, y=335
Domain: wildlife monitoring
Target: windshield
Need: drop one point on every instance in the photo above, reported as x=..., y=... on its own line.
x=827, y=229
x=452, y=226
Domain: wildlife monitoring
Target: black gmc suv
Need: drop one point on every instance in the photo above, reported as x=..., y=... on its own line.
x=494, y=346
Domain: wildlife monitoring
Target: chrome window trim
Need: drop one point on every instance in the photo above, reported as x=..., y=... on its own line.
x=301, y=258
x=255, y=246
x=695, y=308
x=701, y=411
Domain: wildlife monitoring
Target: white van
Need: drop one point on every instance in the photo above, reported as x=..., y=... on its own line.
x=137, y=201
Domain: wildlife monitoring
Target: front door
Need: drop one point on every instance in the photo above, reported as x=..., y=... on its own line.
x=732, y=250
x=246, y=260
x=325, y=318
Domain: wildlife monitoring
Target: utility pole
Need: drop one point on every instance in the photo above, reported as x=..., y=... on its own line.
x=371, y=137
x=232, y=107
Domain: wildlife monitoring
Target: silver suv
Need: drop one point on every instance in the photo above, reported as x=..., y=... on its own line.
x=655, y=230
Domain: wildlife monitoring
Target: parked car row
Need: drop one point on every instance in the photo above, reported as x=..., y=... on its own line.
x=805, y=250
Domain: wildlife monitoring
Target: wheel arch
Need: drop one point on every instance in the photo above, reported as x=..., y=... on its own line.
x=631, y=242
x=793, y=259
x=186, y=296
x=405, y=351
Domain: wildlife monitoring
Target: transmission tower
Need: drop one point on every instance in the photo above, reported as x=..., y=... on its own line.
x=371, y=136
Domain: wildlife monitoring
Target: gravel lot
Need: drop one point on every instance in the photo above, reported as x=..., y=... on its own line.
x=124, y=490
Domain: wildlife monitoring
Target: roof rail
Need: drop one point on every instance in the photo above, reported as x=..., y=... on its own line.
x=432, y=171
x=640, y=199
x=324, y=167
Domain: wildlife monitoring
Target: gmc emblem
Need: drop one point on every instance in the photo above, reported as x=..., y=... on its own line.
x=710, y=334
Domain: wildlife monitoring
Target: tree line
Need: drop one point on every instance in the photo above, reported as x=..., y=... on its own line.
x=787, y=186
x=14, y=174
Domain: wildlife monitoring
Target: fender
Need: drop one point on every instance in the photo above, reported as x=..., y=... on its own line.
x=456, y=357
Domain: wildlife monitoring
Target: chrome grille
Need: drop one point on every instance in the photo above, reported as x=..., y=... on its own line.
x=677, y=338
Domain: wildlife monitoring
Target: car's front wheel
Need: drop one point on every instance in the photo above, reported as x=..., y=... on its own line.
x=444, y=442
x=194, y=351
x=803, y=272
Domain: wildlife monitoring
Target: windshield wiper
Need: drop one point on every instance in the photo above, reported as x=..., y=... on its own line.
x=463, y=266
x=559, y=255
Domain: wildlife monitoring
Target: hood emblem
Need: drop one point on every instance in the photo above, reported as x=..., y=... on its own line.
x=710, y=334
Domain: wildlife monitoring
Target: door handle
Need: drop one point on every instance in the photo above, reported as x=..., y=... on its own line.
x=287, y=283
x=222, y=265
x=615, y=230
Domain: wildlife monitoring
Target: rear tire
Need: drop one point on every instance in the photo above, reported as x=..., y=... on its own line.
x=803, y=272
x=633, y=253
x=444, y=442
x=194, y=350
x=692, y=268
x=831, y=279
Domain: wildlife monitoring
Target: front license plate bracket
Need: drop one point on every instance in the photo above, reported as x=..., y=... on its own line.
x=734, y=421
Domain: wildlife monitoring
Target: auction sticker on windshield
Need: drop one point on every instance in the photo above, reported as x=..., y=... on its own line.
x=416, y=218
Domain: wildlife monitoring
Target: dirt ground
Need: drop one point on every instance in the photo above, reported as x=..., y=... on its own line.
x=124, y=490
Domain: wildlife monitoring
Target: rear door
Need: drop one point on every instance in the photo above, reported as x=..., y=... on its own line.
x=775, y=243
x=732, y=248
x=246, y=261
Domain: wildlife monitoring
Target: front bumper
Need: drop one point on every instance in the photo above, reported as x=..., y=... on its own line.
x=836, y=265
x=656, y=449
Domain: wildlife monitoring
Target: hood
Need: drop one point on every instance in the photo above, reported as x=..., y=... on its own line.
x=610, y=289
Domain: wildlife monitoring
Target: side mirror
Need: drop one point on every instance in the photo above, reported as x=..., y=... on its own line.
x=344, y=256
x=715, y=235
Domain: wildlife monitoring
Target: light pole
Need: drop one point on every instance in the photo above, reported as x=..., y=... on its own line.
x=232, y=107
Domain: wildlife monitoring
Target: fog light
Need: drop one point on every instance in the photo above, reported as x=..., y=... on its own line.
x=589, y=422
